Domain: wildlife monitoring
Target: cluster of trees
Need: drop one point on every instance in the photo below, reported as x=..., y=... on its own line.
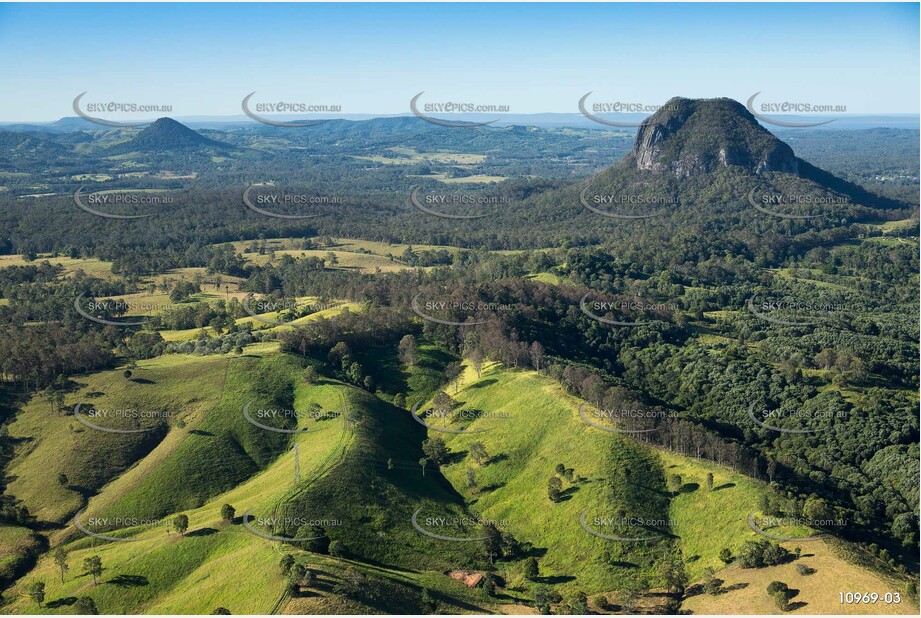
x=375, y=326
x=781, y=593
x=83, y=605
x=218, y=315
x=35, y=355
x=757, y=554
x=555, y=484
x=232, y=341
x=298, y=577
x=427, y=257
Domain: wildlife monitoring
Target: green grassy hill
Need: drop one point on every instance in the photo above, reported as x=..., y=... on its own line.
x=378, y=486
x=360, y=478
x=220, y=449
x=344, y=478
x=48, y=444
x=535, y=426
x=19, y=547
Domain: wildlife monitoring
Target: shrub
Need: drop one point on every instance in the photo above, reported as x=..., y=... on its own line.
x=774, y=586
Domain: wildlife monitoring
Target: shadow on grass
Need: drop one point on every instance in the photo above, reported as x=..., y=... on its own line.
x=497, y=458
x=129, y=581
x=554, y=579
x=568, y=492
x=62, y=602
x=202, y=532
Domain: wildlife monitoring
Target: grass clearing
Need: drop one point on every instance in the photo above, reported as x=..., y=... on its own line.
x=818, y=593
x=533, y=426
x=50, y=444
x=473, y=179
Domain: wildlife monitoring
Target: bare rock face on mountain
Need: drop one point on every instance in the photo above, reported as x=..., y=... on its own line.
x=709, y=154
x=689, y=137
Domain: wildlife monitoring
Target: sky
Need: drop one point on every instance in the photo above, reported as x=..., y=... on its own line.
x=202, y=59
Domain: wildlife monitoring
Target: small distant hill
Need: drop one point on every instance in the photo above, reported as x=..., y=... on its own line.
x=167, y=135
x=67, y=124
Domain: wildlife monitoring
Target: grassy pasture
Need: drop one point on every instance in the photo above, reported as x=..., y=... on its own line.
x=49, y=444
x=535, y=426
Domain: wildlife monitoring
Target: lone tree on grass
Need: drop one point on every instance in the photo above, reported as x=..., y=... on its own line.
x=674, y=483
x=93, y=566
x=292, y=586
x=711, y=584
x=781, y=593
x=36, y=590
x=673, y=573
x=228, y=513
x=181, y=523
x=436, y=450
x=443, y=406
x=492, y=542
x=782, y=599
x=543, y=597
x=554, y=489
x=60, y=559
x=453, y=373
x=488, y=583
x=578, y=605
x=476, y=361
x=531, y=570
x=775, y=585
x=85, y=606
x=478, y=453
x=471, y=478
x=308, y=580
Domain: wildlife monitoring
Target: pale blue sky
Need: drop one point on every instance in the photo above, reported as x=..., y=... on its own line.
x=372, y=58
